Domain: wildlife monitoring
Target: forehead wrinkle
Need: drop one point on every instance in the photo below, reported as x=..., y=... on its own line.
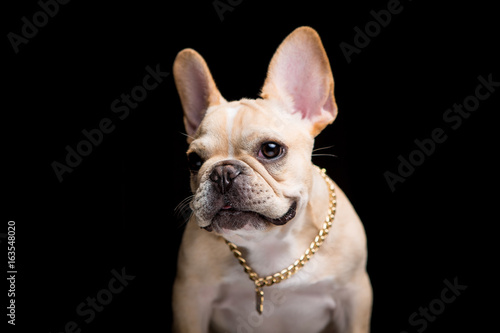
x=243, y=119
x=251, y=128
x=256, y=119
x=211, y=136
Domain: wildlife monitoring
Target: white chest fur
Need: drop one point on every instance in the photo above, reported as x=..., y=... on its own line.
x=287, y=307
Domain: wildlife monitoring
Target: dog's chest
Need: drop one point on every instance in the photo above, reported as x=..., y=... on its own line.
x=287, y=308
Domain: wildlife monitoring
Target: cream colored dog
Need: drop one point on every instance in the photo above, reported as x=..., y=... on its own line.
x=254, y=185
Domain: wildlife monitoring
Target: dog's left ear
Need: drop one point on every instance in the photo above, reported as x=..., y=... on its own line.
x=196, y=88
x=299, y=74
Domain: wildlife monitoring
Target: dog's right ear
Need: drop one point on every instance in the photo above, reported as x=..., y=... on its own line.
x=196, y=88
x=299, y=75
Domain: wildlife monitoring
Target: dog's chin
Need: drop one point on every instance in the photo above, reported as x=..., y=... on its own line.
x=234, y=219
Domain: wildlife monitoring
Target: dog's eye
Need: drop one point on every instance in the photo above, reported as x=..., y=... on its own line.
x=270, y=150
x=195, y=162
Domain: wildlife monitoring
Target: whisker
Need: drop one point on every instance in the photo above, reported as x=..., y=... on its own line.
x=189, y=197
x=331, y=155
x=183, y=204
x=183, y=210
x=322, y=148
x=186, y=218
x=185, y=134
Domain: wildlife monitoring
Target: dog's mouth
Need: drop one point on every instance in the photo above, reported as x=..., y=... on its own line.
x=230, y=218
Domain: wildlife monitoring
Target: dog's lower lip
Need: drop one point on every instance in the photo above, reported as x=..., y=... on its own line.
x=228, y=210
x=208, y=228
x=290, y=214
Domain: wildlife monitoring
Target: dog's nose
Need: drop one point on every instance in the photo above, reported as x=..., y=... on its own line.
x=223, y=176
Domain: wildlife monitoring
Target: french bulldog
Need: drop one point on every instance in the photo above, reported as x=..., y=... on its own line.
x=255, y=186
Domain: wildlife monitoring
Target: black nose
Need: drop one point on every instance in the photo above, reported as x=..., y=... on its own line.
x=223, y=176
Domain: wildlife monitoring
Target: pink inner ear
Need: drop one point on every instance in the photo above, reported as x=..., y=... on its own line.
x=305, y=86
x=301, y=74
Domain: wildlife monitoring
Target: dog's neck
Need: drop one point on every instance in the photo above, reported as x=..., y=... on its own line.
x=275, y=249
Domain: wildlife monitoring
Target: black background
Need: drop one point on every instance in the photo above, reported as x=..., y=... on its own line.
x=116, y=209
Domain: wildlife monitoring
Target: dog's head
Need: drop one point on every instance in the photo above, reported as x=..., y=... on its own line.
x=250, y=160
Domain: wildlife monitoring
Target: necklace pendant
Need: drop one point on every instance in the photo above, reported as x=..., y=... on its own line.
x=259, y=298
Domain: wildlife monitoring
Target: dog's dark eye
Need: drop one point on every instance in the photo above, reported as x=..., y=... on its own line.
x=270, y=150
x=195, y=162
